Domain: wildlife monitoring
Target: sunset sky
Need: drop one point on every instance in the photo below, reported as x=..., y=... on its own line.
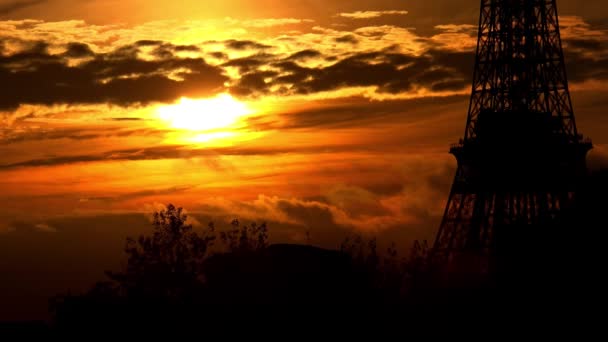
x=320, y=116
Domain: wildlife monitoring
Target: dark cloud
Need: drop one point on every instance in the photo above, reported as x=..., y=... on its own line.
x=305, y=54
x=12, y=6
x=126, y=119
x=462, y=62
x=35, y=76
x=359, y=112
x=250, y=63
x=164, y=152
x=78, y=50
x=452, y=85
x=164, y=50
x=10, y=137
x=586, y=59
x=349, y=38
x=148, y=43
x=218, y=55
x=390, y=72
x=183, y=152
x=586, y=44
x=123, y=77
x=245, y=45
x=186, y=48
x=437, y=70
x=256, y=80
x=139, y=194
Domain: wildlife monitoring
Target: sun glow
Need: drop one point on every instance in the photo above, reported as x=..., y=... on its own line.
x=216, y=121
x=215, y=114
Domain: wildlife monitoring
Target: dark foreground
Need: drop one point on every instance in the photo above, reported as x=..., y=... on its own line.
x=173, y=282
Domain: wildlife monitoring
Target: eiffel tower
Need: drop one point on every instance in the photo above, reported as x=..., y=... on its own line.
x=521, y=158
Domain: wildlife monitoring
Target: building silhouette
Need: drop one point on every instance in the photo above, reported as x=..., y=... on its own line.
x=522, y=158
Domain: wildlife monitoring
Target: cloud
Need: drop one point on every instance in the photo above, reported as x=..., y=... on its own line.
x=126, y=119
x=272, y=22
x=370, y=14
x=414, y=199
x=122, y=77
x=78, y=50
x=13, y=136
x=349, y=38
x=453, y=28
x=440, y=64
x=377, y=62
x=308, y=214
x=172, y=152
x=386, y=71
x=175, y=190
x=163, y=152
x=305, y=54
x=250, y=63
x=209, y=154
x=354, y=112
x=245, y=45
x=581, y=68
x=9, y=7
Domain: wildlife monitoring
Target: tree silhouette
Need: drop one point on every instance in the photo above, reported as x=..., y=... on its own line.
x=169, y=263
x=166, y=277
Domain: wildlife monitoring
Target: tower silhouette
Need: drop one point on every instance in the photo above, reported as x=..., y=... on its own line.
x=522, y=158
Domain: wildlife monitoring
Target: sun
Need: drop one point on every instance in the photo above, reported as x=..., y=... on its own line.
x=215, y=121
x=218, y=114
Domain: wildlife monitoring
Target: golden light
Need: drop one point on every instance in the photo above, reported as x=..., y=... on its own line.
x=213, y=114
x=211, y=122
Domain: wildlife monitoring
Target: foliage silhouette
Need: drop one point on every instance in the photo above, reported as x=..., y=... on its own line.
x=187, y=277
x=164, y=273
x=181, y=274
x=169, y=262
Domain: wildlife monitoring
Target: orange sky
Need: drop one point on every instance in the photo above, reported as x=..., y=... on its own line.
x=323, y=116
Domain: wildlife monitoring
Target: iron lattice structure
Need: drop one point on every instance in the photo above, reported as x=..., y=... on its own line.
x=521, y=157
